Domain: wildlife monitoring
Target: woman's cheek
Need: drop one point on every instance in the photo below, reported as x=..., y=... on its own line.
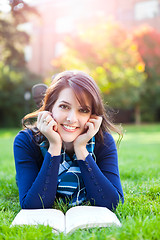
x=84, y=127
x=54, y=115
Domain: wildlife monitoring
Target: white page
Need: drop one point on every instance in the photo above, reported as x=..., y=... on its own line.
x=90, y=216
x=52, y=217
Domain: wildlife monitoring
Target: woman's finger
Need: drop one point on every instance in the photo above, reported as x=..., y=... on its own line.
x=53, y=124
x=96, y=121
x=45, y=117
x=89, y=128
x=48, y=119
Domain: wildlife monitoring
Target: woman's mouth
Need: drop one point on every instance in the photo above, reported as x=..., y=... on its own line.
x=69, y=128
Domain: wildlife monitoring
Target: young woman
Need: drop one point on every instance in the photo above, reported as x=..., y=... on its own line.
x=69, y=153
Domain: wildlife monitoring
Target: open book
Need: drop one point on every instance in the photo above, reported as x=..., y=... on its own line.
x=75, y=217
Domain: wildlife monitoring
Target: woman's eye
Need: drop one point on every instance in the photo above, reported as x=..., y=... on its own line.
x=63, y=106
x=84, y=110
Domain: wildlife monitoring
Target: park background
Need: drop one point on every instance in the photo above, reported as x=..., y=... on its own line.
x=117, y=43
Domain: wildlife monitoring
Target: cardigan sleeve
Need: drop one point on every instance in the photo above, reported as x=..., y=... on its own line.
x=37, y=184
x=101, y=177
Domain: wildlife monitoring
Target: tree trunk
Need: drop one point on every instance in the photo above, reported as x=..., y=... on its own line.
x=137, y=114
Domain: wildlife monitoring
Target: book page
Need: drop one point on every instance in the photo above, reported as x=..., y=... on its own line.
x=89, y=216
x=52, y=217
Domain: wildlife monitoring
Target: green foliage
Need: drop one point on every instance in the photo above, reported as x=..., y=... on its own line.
x=13, y=85
x=110, y=56
x=139, y=169
x=15, y=79
x=148, y=41
x=12, y=40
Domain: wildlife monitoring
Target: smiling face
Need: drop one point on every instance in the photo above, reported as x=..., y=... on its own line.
x=70, y=116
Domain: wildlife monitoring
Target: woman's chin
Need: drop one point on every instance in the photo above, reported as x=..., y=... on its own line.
x=68, y=139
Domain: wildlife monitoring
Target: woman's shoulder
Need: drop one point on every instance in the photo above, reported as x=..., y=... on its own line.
x=108, y=142
x=25, y=137
x=108, y=136
x=25, y=133
x=25, y=145
x=107, y=139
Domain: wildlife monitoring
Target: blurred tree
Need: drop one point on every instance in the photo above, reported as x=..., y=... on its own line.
x=20, y=11
x=148, y=41
x=12, y=43
x=110, y=56
x=15, y=79
x=12, y=40
x=13, y=86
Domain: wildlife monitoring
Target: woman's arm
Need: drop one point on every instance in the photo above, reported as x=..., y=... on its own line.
x=101, y=178
x=37, y=185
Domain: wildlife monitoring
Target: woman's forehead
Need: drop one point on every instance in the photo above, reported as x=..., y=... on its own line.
x=70, y=95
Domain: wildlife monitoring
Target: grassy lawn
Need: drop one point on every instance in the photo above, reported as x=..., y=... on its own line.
x=139, y=163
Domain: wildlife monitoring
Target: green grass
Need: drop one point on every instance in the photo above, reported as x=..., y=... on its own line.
x=139, y=164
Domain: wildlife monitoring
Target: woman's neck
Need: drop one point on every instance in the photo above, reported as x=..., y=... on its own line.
x=69, y=147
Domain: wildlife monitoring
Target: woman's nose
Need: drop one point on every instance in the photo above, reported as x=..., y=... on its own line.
x=72, y=118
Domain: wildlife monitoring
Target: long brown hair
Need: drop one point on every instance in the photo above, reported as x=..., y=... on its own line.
x=82, y=84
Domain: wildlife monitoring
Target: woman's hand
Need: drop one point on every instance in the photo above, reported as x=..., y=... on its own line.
x=92, y=127
x=48, y=127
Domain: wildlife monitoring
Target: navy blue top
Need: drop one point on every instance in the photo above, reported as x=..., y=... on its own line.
x=37, y=176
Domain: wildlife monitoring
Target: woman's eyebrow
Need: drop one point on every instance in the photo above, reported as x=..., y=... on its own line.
x=65, y=102
x=86, y=106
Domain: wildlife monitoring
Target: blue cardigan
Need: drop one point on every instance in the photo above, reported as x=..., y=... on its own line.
x=37, y=176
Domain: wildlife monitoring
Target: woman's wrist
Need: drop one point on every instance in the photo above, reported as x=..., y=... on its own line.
x=81, y=152
x=54, y=149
